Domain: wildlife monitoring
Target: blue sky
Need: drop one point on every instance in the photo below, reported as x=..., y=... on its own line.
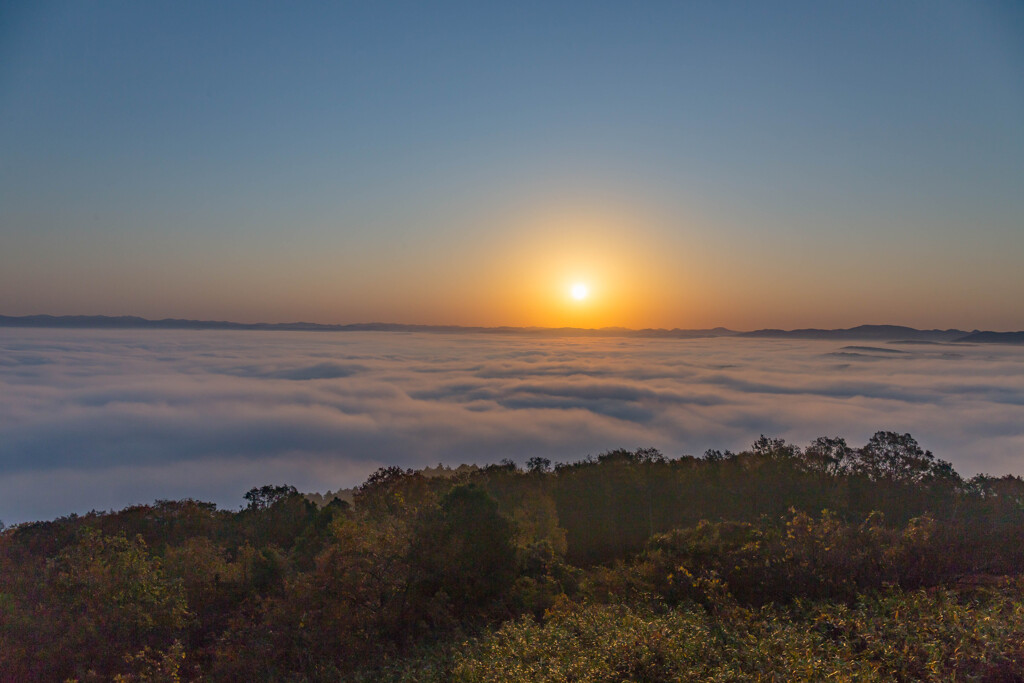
x=743, y=164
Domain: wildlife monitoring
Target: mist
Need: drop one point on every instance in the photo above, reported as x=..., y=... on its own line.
x=95, y=419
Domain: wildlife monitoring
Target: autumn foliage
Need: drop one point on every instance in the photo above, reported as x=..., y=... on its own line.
x=781, y=562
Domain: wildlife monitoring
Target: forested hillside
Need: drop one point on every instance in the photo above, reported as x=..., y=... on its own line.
x=870, y=563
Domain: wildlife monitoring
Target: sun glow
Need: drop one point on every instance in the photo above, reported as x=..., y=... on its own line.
x=577, y=267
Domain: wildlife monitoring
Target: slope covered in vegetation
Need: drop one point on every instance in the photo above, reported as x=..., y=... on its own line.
x=872, y=563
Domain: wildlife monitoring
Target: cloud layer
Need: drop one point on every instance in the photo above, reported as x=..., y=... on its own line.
x=102, y=419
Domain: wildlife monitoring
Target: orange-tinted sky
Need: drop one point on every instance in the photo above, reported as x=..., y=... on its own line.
x=789, y=165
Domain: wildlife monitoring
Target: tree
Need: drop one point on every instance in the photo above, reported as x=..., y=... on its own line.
x=830, y=455
x=889, y=456
x=466, y=549
x=715, y=455
x=392, y=490
x=276, y=515
x=110, y=599
x=535, y=464
x=773, y=448
x=266, y=496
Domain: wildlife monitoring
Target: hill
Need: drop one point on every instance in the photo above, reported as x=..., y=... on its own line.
x=896, y=333
x=993, y=338
x=875, y=563
x=872, y=332
x=134, y=322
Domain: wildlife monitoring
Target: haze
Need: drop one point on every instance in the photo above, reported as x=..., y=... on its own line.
x=103, y=419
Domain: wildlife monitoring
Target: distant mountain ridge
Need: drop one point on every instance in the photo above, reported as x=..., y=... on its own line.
x=863, y=332
x=994, y=337
x=135, y=322
x=883, y=332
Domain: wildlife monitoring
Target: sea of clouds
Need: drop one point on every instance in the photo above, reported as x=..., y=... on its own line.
x=103, y=419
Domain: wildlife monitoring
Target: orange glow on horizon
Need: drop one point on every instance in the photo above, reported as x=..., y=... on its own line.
x=573, y=267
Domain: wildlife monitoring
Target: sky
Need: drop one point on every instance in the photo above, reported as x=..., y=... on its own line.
x=745, y=164
x=102, y=419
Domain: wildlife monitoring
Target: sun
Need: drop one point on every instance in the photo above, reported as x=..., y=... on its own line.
x=579, y=291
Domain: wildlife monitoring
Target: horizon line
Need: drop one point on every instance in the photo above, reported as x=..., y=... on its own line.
x=109, y=321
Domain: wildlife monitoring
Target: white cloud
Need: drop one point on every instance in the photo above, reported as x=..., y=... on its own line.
x=102, y=419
